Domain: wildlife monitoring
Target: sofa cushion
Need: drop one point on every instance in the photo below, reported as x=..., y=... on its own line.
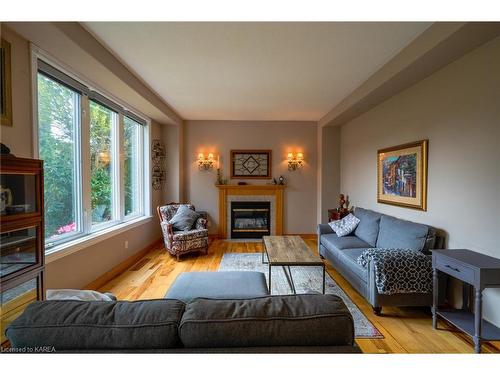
x=231, y=284
x=344, y=226
x=349, y=258
x=401, y=234
x=368, y=227
x=83, y=325
x=184, y=218
x=334, y=242
x=306, y=320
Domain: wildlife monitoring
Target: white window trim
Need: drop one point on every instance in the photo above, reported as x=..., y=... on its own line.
x=93, y=237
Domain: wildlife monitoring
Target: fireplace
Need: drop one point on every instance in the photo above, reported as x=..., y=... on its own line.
x=250, y=219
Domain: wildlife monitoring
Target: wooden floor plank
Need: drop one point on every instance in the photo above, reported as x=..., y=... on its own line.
x=405, y=330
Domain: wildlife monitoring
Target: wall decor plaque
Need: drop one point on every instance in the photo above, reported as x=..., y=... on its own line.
x=251, y=164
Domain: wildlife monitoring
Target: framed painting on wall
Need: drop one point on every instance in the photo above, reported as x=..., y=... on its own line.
x=402, y=175
x=251, y=164
x=5, y=84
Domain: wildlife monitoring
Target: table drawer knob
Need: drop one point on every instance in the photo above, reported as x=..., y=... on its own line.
x=452, y=268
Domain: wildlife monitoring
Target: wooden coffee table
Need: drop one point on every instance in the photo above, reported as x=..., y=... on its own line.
x=289, y=251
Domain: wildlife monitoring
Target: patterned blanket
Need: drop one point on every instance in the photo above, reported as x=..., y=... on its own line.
x=399, y=271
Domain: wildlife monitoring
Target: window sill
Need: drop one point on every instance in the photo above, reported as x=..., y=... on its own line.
x=78, y=244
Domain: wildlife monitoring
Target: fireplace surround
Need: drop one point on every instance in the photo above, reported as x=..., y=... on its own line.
x=250, y=193
x=250, y=219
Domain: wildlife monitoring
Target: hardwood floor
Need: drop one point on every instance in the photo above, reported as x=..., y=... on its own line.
x=405, y=330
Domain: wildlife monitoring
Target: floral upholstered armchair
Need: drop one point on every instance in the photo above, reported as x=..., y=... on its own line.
x=178, y=242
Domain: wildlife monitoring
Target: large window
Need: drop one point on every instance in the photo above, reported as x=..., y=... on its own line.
x=102, y=123
x=132, y=170
x=93, y=152
x=58, y=124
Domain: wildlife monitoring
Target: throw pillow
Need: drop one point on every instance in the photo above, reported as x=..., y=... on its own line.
x=184, y=218
x=344, y=226
x=78, y=295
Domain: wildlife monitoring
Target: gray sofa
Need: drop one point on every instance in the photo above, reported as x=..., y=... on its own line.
x=309, y=323
x=376, y=230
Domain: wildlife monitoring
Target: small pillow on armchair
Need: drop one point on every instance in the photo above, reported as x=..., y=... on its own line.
x=184, y=218
x=345, y=226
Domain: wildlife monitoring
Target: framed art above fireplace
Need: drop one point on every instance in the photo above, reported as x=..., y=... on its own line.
x=251, y=164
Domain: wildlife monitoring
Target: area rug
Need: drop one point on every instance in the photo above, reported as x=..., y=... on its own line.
x=306, y=279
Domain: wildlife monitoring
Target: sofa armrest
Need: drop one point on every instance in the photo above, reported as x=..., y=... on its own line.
x=324, y=229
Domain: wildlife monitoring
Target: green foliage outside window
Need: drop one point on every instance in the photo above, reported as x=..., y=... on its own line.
x=59, y=126
x=57, y=106
x=101, y=121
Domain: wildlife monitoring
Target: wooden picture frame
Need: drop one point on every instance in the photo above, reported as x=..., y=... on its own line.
x=251, y=164
x=402, y=175
x=5, y=84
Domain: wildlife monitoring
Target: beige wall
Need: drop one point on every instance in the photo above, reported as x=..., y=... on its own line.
x=172, y=139
x=80, y=268
x=458, y=110
x=328, y=170
x=19, y=137
x=220, y=137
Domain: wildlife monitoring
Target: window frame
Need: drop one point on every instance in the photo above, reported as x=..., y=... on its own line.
x=78, y=181
x=116, y=172
x=89, y=234
x=140, y=173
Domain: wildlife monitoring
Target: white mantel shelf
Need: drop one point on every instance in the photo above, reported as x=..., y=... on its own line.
x=227, y=190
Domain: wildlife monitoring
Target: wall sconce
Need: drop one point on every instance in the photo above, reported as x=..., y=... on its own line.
x=295, y=161
x=205, y=163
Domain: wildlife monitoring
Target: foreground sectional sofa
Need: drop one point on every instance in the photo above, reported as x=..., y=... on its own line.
x=309, y=323
x=376, y=230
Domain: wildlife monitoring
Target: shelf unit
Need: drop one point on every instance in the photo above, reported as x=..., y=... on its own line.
x=473, y=269
x=22, y=237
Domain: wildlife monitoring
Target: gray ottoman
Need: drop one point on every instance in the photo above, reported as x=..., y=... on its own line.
x=228, y=285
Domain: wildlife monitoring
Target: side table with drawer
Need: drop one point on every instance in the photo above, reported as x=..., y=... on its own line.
x=473, y=269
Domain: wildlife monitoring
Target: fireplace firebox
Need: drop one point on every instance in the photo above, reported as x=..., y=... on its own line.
x=250, y=219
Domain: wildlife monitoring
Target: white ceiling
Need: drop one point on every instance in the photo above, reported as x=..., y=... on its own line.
x=254, y=71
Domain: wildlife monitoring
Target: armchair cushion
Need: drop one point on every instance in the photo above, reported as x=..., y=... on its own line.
x=190, y=235
x=184, y=218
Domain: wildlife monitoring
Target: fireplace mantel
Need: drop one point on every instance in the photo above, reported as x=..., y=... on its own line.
x=225, y=191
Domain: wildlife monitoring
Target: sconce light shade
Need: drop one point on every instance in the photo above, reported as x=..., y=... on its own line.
x=295, y=161
x=205, y=163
